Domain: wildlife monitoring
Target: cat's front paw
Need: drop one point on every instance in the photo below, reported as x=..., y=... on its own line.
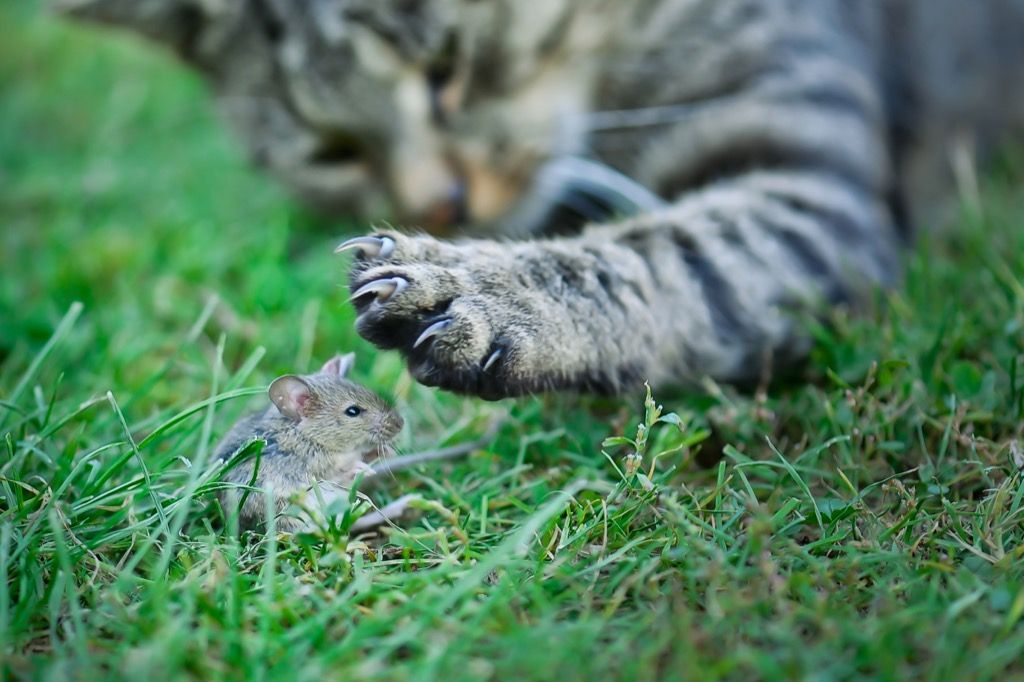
x=440, y=307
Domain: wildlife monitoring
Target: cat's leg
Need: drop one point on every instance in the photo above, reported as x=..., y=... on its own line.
x=709, y=286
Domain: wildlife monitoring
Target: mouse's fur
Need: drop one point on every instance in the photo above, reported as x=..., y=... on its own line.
x=309, y=438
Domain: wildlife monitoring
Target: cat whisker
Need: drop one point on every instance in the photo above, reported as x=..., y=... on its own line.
x=589, y=189
x=591, y=178
x=644, y=117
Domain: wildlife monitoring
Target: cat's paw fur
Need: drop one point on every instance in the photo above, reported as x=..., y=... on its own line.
x=442, y=310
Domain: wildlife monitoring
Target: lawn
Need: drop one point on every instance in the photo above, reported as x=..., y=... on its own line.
x=864, y=519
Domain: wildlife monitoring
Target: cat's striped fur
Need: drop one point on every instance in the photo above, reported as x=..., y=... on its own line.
x=707, y=168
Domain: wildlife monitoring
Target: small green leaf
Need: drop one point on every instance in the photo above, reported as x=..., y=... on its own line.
x=672, y=418
x=965, y=379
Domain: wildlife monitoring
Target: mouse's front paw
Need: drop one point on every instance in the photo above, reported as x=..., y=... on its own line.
x=440, y=306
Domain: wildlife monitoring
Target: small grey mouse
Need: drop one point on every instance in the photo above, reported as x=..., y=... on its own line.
x=319, y=432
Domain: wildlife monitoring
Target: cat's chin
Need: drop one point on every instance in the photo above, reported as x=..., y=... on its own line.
x=335, y=189
x=566, y=194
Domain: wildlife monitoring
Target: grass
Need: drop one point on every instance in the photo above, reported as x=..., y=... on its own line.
x=865, y=521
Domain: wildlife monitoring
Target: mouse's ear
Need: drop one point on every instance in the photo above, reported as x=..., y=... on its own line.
x=290, y=394
x=339, y=365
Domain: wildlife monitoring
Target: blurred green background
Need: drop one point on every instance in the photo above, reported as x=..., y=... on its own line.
x=120, y=189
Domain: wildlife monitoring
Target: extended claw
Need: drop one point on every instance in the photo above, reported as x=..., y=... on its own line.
x=383, y=289
x=432, y=330
x=370, y=247
x=493, y=358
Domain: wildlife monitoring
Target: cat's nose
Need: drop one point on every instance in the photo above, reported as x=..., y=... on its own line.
x=449, y=211
x=428, y=190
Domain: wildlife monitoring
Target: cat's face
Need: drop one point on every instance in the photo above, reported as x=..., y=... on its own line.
x=444, y=118
x=435, y=112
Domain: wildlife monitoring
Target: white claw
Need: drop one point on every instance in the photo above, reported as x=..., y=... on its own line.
x=432, y=330
x=383, y=289
x=371, y=247
x=492, y=359
x=367, y=246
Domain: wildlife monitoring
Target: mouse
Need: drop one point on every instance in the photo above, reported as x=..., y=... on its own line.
x=321, y=430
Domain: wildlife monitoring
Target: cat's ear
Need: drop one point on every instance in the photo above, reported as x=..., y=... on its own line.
x=291, y=395
x=175, y=23
x=339, y=365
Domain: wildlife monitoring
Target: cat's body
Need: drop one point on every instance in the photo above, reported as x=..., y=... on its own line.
x=730, y=162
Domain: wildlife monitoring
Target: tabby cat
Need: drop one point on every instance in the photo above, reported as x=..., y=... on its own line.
x=656, y=189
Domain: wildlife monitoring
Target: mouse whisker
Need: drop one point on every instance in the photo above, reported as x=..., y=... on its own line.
x=385, y=454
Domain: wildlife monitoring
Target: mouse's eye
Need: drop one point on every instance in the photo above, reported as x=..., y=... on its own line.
x=353, y=410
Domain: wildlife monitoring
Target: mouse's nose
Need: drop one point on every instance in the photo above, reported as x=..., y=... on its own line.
x=389, y=425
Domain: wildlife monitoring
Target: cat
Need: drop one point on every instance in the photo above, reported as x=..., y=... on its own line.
x=652, y=190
